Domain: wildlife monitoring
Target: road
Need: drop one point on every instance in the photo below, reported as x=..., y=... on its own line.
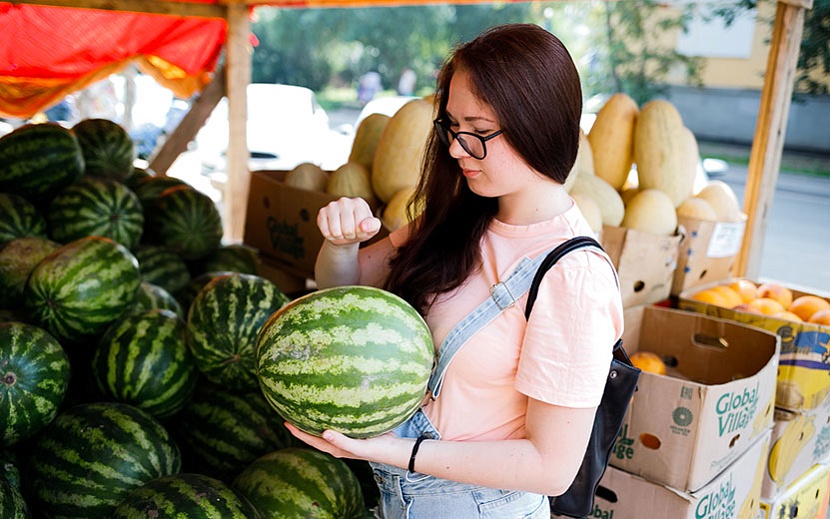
x=796, y=244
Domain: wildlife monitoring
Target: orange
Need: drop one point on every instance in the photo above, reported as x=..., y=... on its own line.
x=821, y=317
x=778, y=292
x=648, y=361
x=711, y=296
x=732, y=297
x=805, y=306
x=745, y=288
x=787, y=315
x=765, y=306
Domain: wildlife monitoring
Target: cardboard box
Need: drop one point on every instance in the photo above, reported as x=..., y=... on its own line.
x=804, y=366
x=645, y=263
x=281, y=222
x=807, y=498
x=733, y=493
x=708, y=252
x=800, y=440
x=683, y=428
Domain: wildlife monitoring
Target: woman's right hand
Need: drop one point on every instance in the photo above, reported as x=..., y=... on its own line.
x=347, y=221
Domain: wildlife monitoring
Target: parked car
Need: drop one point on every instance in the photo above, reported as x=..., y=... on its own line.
x=286, y=126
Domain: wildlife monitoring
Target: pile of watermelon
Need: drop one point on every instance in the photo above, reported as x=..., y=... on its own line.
x=144, y=362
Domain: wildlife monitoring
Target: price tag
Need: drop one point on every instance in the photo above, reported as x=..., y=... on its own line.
x=726, y=240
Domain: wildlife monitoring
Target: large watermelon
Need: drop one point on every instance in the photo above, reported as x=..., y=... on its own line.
x=79, y=289
x=151, y=296
x=186, y=221
x=353, y=359
x=234, y=257
x=17, y=259
x=108, y=149
x=92, y=455
x=143, y=360
x=12, y=504
x=163, y=267
x=302, y=482
x=19, y=217
x=35, y=371
x=38, y=160
x=185, y=496
x=222, y=431
x=148, y=188
x=96, y=207
x=222, y=323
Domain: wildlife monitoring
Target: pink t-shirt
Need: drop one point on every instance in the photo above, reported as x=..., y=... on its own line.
x=561, y=356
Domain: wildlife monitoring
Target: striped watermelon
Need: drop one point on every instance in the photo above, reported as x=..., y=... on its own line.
x=222, y=323
x=137, y=174
x=92, y=455
x=38, y=160
x=12, y=504
x=152, y=296
x=35, y=371
x=96, y=207
x=186, y=295
x=17, y=259
x=234, y=257
x=354, y=359
x=186, y=221
x=220, y=431
x=148, y=189
x=79, y=289
x=19, y=217
x=185, y=496
x=108, y=149
x=143, y=360
x=302, y=482
x=163, y=267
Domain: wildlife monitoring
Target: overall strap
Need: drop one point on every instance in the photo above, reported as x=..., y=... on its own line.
x=503, y=295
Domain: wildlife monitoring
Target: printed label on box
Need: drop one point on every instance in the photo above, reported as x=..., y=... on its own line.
x=726, y=239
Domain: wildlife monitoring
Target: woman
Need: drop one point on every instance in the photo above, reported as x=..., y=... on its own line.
x=517, y=402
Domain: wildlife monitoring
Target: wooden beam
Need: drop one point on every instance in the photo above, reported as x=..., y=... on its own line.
x=238, y=55
x=190, y=125
x=139, y=6
x=770, y=129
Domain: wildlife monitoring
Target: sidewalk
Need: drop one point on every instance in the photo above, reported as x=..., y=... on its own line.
x=791, y=161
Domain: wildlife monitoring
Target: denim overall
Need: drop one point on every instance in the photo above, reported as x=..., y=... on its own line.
x=412, y=495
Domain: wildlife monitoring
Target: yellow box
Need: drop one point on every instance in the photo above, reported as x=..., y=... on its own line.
x=804, y=366
x=807, y=498
x=800, y=440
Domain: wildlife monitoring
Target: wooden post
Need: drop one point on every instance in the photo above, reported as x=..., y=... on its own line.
x=238, y=76
x=770, y=129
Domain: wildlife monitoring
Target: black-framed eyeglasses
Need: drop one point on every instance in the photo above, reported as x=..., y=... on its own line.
x=474, y=145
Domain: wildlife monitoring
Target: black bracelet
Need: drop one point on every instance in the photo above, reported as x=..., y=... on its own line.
x=415, y=451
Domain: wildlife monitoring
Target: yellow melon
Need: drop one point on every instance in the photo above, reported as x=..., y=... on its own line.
x=590, y=210
x=352, y=180
x=723, y=200
x=584, y=164
x=366, y=139
x=698, y=209
x=394, y=215
x=607, y=198
x=652, y=211
x=309, y=176
x=399, y=153
x=661, y=151
x=612, y=139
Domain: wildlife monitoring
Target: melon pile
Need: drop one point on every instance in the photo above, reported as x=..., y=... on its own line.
x=128, y=340
x=383, y=166
x=636, y=169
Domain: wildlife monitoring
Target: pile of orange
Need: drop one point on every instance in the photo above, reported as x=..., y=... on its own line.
x=770, y=299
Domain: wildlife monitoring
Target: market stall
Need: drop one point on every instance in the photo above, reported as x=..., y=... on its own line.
x=211, y=24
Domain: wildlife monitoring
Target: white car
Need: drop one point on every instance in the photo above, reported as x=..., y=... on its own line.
x=286, y=126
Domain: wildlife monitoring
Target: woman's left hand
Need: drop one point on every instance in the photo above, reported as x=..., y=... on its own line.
x=380, y=448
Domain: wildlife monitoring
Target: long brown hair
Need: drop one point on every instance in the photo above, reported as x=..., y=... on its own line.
x=528, y=78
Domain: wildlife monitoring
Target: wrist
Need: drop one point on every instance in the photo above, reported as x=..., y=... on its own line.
x=416, y=447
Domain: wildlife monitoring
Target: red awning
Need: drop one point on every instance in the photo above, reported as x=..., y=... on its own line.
x=49, y=52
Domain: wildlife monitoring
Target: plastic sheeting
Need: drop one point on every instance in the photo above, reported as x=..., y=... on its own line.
x=50, y=52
